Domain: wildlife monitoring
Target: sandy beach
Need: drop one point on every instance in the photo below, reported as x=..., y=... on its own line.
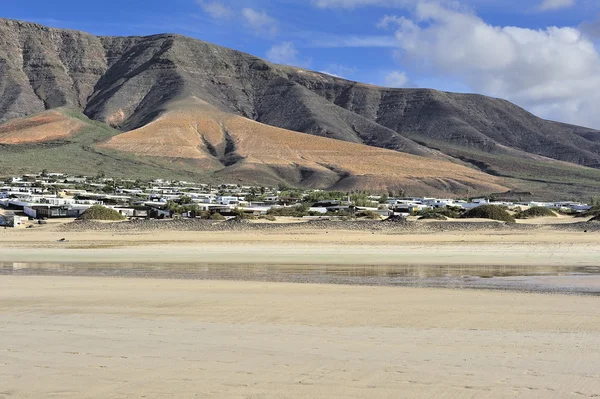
x=96, y=337
x=539, y=247
x=73, y=337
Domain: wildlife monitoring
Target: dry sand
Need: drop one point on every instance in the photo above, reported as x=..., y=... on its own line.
x=493, y=247
x=69, y=337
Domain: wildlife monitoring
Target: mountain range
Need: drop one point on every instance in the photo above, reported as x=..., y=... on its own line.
x=172, y=106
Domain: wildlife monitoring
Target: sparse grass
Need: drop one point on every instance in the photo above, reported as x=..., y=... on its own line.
x=433, y=216
x=98, y=212
x=535, y=212
x=448, y=211
x=368, y=215
x=493, y=212
x=543, y=178
x=79, y=155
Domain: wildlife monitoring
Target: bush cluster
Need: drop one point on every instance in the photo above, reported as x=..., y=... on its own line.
x=99, y=212
x=493, y=212
x=449, y=212
x=368, y=215
x=535, y=212
x=294, y=211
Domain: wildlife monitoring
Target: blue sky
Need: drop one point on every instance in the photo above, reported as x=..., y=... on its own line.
x=541, y=54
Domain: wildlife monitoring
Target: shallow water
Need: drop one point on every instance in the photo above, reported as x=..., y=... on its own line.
x=574, y=280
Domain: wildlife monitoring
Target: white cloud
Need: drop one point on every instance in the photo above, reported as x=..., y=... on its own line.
x=287, y=54
x=397, y=80
x=553, y=71
x=260, y=22
x=550, y=5
x=339, y=71
x=349, y=4
x=216, y=9
x=352, y=41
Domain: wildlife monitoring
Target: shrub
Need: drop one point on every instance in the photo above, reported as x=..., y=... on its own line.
x=340, y=213
x=368, y=215
x=448, y=211
x=99, y=212
x=535, y=212
x=294, y=211
x=240, y=214
x=217, y=216
x=270, y=218
x=493, y=212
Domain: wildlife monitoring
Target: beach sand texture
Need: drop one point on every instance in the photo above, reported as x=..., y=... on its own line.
x=96, y=337
x=72, y=337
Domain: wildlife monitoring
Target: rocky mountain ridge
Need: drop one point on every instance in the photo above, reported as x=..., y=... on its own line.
x=128, y=82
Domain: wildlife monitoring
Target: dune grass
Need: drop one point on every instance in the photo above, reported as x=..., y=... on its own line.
x=493, y=212
x=99, y=212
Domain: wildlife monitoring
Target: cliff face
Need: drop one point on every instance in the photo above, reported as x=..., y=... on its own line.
x=43, y=68
x=127, y=82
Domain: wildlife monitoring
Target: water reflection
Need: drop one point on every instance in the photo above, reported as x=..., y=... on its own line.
x=204, y=271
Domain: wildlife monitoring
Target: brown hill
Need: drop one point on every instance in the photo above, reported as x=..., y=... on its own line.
x=236, y=147
x=46, y=126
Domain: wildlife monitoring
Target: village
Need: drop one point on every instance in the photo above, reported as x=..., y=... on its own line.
x=50, y=195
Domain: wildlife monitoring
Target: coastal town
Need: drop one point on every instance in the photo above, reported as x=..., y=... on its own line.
x=51, y=195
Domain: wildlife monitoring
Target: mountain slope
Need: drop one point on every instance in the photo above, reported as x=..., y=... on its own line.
x=235, y=147
x=130, y=82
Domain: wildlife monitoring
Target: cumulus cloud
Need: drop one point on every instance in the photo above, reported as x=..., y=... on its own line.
x=216, y=9
x=287, y=53
x=550, y=5
x=553, y=71
x=260, y=21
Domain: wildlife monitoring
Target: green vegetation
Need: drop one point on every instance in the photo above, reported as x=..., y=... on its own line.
x=543, y=178
x=357, y=199
x=240, y=214
x=217, y=216
x=535, y=212
x=79, y=155
x=453, y=212
x=293, y=211
x=98, y=212
x=493, y=212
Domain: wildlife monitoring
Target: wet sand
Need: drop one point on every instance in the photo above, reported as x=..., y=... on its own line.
x=305, y=247
x=73, y=337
